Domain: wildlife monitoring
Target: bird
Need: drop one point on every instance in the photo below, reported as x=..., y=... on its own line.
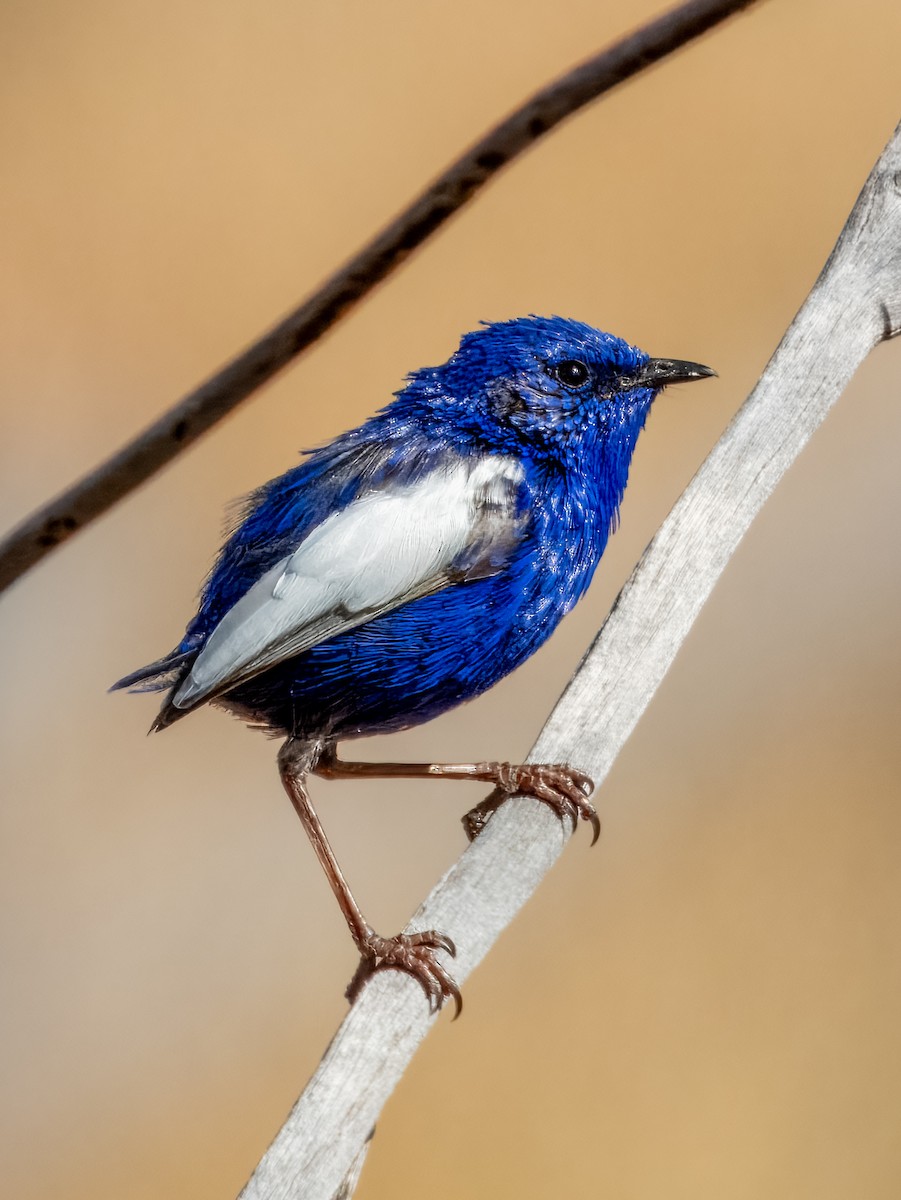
x=413, y=562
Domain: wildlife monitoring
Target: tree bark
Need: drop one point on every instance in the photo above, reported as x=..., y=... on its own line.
x=854, y=305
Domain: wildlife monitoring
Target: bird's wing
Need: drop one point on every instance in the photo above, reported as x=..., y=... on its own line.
x=383, y=550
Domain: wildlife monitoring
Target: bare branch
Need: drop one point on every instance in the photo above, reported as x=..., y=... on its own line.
x=167, y=437
x=855, y=304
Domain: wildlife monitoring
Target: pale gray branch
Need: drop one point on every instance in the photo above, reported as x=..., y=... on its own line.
x=56, y=521
x=855, y=304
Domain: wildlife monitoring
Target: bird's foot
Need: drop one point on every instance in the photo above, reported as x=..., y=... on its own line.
x=477, y=818
x=416, y=955
x=562, y=787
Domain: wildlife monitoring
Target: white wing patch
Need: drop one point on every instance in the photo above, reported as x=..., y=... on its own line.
x=380, y=552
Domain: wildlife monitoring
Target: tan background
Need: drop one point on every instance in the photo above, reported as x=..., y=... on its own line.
x=707, y=1004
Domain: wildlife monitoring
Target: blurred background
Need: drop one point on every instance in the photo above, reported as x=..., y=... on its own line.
x=706, y=1005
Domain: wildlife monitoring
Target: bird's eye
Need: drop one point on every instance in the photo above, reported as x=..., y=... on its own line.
x=571, y=373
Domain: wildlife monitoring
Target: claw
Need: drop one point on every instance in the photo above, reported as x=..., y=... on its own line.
x=563, y=788
x=595, y=822
x=415, y=955
x=443, y=942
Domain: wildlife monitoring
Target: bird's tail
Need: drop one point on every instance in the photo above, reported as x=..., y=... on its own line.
x=165, y=673
x=157, y=676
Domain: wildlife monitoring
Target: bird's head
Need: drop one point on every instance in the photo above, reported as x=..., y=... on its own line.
x=540, y=383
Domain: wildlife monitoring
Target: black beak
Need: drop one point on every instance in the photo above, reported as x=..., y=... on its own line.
x=658, y=372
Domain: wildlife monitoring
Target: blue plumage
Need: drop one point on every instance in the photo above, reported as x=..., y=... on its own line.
x=416, y=560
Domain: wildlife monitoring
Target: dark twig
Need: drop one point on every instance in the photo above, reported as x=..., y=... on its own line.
x=52, y=524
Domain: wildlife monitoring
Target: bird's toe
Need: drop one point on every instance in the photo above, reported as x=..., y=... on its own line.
x=416, y=954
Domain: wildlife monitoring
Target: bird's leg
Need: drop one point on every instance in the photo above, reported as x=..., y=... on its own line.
x=413, y=953
x=562, y=787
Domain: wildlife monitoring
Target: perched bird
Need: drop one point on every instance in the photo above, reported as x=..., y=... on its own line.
x=412, y=563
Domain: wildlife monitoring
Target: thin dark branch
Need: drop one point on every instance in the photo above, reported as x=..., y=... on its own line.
x=141, y=458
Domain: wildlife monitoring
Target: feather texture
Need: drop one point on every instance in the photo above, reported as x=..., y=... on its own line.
x=416, y=560
x=387, y=548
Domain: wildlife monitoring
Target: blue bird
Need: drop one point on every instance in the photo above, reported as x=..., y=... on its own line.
x=412, y=563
